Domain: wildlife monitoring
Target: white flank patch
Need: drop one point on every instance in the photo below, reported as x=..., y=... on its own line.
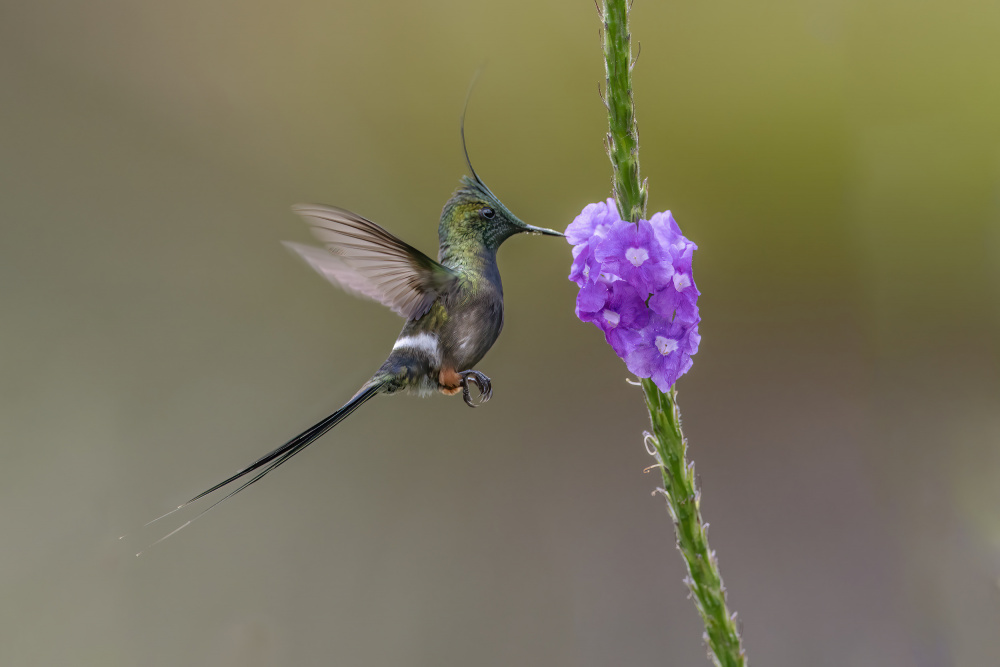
x=427, y=342
x=666, y=345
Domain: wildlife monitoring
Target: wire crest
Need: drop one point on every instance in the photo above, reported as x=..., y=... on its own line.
x=465, y=149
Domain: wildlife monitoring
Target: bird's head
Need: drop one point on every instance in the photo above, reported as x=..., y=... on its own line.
x=474, y=214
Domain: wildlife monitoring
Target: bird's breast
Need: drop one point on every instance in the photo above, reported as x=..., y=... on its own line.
x=471, y=330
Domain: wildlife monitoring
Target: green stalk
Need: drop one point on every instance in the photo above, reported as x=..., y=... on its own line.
x=666, y=443
x=622, y=140
x=669, y=448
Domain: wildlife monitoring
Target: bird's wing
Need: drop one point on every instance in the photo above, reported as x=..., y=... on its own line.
x=365, y=259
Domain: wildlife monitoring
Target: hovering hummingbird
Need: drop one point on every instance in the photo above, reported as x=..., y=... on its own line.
x=453, y=306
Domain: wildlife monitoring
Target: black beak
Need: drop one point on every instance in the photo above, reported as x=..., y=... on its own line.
x=541, y=230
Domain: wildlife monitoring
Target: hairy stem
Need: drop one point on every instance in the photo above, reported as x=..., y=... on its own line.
x=622, y=140
x=666, y=443
x=669, y=447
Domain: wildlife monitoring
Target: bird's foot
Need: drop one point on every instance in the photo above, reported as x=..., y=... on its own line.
x=482, y=383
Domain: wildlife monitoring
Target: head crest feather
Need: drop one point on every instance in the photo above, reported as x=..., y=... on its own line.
x=465, y=149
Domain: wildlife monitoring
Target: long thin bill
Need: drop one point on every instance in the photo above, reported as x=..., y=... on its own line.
x=541, y=230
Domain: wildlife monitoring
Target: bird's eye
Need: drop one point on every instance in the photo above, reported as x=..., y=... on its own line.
x=487, y=213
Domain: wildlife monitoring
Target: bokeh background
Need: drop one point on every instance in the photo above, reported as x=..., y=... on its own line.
x=838, y=162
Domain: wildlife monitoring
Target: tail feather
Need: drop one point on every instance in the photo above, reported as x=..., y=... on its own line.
x=273, y=459
x=295, y=445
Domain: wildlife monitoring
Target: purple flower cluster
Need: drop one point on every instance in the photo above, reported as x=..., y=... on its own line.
x=636, y=286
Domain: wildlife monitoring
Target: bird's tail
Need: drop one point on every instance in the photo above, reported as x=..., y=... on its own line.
x=272, y=460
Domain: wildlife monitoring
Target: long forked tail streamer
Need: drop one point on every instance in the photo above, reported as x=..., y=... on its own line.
x=272, y=460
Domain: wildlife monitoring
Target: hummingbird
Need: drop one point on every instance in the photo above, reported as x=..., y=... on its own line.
x=453, y=306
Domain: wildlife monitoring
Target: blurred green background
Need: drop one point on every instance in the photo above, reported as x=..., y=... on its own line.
x=838, y=164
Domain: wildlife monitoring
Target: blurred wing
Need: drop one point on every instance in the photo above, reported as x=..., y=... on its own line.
x=363, y=258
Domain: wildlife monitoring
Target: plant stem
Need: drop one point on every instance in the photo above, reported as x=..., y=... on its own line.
x=668, y=443
x=684, y=503
x=622, y=141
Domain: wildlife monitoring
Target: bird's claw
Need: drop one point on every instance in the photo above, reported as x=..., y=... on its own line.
x=482, y=383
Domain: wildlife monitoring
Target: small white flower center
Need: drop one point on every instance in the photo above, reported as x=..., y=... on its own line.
x=637, y=256
x=586, y=271
x=681, y=281
x=611, y=317
x=665, y=345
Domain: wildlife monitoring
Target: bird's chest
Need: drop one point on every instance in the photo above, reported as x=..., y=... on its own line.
x=472, y=329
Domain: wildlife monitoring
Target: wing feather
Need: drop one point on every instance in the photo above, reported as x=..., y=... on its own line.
x=363, y=258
